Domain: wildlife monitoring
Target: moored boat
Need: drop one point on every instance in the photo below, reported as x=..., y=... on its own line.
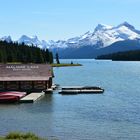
x=8, y=97
x=81, y=89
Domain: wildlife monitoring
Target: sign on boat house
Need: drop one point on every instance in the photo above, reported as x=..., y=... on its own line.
x=25, y=77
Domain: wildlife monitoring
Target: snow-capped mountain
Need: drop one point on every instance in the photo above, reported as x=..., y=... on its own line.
x=32, y=41
x=6, y=38
x=102, y=36
x=104, y=39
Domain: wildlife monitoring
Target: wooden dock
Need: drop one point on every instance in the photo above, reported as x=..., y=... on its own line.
x=81, y=90
x=31, y=97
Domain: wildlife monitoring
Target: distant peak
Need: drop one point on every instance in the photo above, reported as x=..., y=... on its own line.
x=6, y=38
x=126, y=24
x=102, y=27
x=24, y=36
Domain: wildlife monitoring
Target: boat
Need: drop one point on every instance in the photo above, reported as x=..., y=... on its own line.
x=11, y=96
x=81, y=89
x=55, y=86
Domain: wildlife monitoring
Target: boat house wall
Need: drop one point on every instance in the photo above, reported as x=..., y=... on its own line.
x=25, y=77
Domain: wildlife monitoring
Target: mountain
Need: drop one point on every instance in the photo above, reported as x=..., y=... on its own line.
x=6, y=38
x=32, y=41
x=102, y=36
x=102, y=40
x=93, y=52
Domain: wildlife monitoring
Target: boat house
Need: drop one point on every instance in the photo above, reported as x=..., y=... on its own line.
x=25, y=77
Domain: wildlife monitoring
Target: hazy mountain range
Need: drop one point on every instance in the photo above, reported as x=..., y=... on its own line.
x=104, y=39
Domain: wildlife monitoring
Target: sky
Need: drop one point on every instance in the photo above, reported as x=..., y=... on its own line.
x=63, y=19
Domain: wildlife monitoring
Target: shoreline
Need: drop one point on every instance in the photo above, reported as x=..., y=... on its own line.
x=65, y=65
x=53, y=65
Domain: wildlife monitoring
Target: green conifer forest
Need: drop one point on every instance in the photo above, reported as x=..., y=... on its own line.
x=21, y=53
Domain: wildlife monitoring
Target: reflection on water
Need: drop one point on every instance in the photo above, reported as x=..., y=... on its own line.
x=113, y=115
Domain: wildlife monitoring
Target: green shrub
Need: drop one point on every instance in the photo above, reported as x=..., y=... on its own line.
x=22, y=136
x=13, y=135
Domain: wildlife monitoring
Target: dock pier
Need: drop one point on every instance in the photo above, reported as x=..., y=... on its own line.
x=31, y=97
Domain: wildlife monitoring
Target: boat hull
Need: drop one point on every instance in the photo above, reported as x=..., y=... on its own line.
x=10, y=97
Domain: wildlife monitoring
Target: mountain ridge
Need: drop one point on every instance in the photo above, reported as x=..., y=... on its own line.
x=102, y=37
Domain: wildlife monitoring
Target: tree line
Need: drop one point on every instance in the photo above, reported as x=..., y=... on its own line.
x=124, y=56
x=14, y=52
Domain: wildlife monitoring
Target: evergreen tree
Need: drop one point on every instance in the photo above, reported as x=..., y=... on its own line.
x=14, y=52
x=4, y=55
x=57, y=58
x=0, y=57
x=51, y=57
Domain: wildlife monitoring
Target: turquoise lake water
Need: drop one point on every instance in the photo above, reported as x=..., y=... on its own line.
x=114, y=115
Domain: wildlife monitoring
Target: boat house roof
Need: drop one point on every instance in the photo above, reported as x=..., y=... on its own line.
x=25, y=72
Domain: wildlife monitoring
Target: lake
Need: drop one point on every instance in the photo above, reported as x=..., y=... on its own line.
x=114, y=115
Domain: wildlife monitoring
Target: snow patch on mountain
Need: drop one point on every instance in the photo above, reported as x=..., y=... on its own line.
x=32, y=41
x=102, y=36
x=6, y=38
x=103, y=27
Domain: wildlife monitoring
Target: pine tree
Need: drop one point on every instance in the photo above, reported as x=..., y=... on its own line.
x=51, y=57
x=0, y=57
x=57, y=58
x=14, y=52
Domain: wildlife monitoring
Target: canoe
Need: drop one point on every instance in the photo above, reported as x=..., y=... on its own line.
x=8, y=97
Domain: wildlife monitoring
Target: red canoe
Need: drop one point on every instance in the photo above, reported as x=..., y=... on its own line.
x=8, y=97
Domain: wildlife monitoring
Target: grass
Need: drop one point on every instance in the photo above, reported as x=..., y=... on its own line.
x=14, y=63
x=65, y=65
x=21, y=136
x=53, y=65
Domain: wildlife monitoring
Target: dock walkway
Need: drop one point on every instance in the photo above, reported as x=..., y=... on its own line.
x=31, y=97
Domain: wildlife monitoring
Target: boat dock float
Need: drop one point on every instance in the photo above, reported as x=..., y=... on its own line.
x=81, y=90
x=30, y=98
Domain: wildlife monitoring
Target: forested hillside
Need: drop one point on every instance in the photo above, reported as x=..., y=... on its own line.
x=14, y=52
x=122, y=56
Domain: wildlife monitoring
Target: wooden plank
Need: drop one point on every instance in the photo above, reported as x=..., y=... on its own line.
x=32, y=97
